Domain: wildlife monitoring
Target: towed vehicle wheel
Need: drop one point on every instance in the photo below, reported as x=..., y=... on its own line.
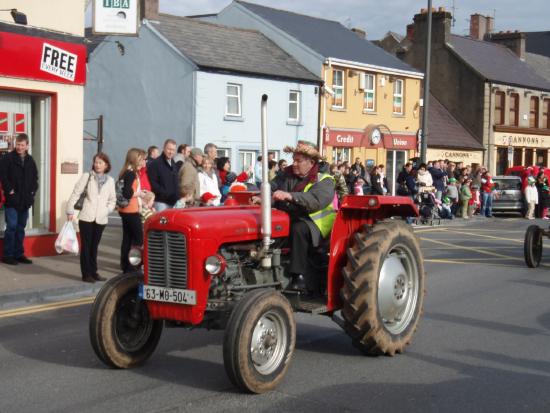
x=121, y=332
x=532, y=246
x=383, y=291
x=259, y=341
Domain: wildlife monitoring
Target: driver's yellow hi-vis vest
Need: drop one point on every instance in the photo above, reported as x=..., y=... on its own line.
x=324, y=219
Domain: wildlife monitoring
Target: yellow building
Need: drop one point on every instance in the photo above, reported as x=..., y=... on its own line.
x=370, y=113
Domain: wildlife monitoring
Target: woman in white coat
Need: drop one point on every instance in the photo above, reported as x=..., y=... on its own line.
x=99, y=202
x=209, y=190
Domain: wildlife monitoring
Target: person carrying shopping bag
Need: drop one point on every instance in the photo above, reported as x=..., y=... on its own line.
x=94, y=195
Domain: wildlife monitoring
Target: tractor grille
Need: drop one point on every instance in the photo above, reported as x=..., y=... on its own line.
x=167, y=259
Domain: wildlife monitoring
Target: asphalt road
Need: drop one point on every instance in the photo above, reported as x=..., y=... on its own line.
x=483, y=346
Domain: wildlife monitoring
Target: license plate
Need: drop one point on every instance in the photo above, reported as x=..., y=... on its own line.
x=167, y=295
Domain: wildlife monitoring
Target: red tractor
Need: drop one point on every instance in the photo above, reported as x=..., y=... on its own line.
x=217, y=268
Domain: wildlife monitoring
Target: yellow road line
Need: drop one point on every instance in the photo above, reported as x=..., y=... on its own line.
x=45, y=307
x=491, y=264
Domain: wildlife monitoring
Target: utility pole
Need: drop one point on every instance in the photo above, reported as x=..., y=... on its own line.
x=425, y=133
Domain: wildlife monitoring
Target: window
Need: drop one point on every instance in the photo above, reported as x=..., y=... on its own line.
x=534, y=112
x=233, y=105
x=529, y=157
x=294, y=105
x=338, y=87
x=340, y=155
x=223, y=152
x=370, y=93
x=514, y=109
x=499, y=108
x=398, y=96
x=546, y=113
x=246, y=160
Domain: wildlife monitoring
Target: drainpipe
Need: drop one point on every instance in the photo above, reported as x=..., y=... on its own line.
x=265, y=193
x=493, y=172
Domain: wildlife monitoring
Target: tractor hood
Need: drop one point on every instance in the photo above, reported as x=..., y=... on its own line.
x=224, y=224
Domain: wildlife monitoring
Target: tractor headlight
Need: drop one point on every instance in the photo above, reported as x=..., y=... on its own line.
x=214, y=265
x=135, y=256
x=372, y=202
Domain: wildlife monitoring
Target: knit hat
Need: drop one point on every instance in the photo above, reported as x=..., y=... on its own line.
x=452, y=180
x=305, y=148
x=207, y=196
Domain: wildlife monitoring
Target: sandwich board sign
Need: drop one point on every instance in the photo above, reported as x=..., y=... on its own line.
x=115, y=17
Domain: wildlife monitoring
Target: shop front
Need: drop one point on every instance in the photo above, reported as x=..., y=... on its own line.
x=372, y=147
x=516, y=149
x=41, y=94
x=468, y=157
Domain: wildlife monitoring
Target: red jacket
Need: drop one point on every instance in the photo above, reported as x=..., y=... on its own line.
x=144, y=179
x=488, y=185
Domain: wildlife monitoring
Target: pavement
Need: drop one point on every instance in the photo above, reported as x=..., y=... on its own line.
x=57, y=278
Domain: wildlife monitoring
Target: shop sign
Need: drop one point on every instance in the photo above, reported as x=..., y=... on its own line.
x=399, y=141
x=19, y=122
x=4, y=122
x=513, y=139
x=58, y=62
x=343, y=138
x=468, y=157
x=115, y=17
x=41, y=58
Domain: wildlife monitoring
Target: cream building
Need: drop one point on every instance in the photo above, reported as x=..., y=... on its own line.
x=42, y=79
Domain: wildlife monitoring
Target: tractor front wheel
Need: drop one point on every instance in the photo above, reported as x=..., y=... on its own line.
x=259, y=341
x=383, y=291
x=121, y=332
x=532, y=246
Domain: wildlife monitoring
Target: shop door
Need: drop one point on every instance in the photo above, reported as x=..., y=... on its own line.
x=395, y=160
x=542, y=157
x=502, y=160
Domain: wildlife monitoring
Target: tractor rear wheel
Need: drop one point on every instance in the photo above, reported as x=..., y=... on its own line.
x=383, y=290
x=121, y=332
x=259, y=341
x=532, y=246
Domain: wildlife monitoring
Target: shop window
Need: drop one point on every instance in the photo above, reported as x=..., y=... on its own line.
x=529, y=157
x=370, y=92
x=294, y=106
x=233, y=100
x=546, y=113
x=502, y=160
x=542, y=157
x=534, y=112
x=514, y=109
x=499, y=108
x=338, y=88
x=20, y=113
x=398, y=96
x=518, y=156
x=340, y=155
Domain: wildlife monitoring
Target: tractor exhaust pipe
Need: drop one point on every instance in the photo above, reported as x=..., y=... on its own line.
x=265, y=192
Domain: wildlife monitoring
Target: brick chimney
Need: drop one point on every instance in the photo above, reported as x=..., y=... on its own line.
x=410, y=31
x=359, y=32
x=149, y=9
x=515, y=41
x=481, y=26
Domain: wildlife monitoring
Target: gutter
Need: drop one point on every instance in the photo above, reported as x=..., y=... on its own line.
x=380, y=69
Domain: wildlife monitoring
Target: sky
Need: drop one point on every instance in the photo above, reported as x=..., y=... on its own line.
x=378, y=17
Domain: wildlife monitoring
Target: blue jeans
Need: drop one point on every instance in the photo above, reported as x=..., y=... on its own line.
x=16, y=221
x=487, y=204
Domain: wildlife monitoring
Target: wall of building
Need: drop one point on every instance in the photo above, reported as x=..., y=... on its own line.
x=244, y=133
x=144, y=95
x=236, y=15
x=60, y=15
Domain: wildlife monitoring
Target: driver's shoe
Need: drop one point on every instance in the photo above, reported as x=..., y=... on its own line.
x=297, y=283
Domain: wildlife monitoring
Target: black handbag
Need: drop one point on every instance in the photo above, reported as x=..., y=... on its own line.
x=80, y=202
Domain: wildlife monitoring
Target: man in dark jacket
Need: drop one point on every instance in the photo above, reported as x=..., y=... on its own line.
x=438, y=177
x=163, y=175
x=306, y=192
x=19, y=177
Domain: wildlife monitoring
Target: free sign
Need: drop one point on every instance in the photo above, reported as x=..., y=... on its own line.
x=58, y=62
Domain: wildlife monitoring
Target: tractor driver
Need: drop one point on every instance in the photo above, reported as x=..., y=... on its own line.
x=305, y=190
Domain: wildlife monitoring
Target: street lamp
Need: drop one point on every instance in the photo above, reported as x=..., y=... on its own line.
x=424, y=135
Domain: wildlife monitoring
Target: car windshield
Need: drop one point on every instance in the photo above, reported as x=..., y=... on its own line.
x=507, y=184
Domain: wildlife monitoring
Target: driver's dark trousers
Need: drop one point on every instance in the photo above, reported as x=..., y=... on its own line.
x=300, y=243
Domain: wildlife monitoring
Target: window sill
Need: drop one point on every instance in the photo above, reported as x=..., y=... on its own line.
x=335, y=109
x=370, y=112
x=398, y=115
x=233, y=118
x=294, y=123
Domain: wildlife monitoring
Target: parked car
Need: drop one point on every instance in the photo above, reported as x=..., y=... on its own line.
x=508, y=194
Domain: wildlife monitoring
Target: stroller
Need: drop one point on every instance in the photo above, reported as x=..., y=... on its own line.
x=427, y=208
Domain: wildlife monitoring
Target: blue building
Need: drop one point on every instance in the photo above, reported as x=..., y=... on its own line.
x=197, y=82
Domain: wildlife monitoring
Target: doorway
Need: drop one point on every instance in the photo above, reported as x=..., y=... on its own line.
x=395, y=160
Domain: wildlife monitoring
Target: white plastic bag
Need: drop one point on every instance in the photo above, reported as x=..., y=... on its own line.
x=67, y=240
